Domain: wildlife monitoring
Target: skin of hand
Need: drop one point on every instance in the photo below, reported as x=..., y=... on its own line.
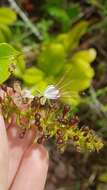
x=23, y=165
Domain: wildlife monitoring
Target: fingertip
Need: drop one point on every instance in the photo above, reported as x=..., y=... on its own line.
x=33, y=169
x=4, y=156
x=17, y=147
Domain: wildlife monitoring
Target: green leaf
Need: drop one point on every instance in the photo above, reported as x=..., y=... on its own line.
x=39, y=87
x=77, y=76
x=7, y=51
x=5, y=30
x=2, y=37
x=61, y=15
x=74, y=11
x=71, y=39
x=87, y=55
x=72, y=99
x=33, y=76
x=43, y=27
x=7, y=16
x=7, y=57
x=81, y=73
x=52, y=58
x=4, y=73
x=20, y=67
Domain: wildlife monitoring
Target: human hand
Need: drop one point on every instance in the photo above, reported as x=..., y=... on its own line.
x=23, y=165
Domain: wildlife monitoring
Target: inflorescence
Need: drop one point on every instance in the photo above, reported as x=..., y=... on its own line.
x=51, y=119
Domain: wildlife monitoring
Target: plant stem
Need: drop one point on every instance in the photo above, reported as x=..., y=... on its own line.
x=96, y=103
x=25, y=19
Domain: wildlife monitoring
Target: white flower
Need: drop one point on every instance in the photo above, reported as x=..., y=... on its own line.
x=51, y=92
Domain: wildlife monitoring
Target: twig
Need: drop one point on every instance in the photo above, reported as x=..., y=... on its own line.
x=25, y=19
x=96, y=103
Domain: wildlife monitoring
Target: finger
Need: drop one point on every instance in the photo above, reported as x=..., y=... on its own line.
x=17, y=147
x=33, y=169
x=4, y=157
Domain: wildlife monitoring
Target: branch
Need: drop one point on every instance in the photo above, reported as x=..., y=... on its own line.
x=30, y=25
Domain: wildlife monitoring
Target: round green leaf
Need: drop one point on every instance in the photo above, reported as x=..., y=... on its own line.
x=7, y=56
x=32, y=76
x=7, y=16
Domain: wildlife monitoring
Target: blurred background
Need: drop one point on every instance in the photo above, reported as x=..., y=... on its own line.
x=53, y=36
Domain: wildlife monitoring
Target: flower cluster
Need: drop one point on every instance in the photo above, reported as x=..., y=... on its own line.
x=49, y=118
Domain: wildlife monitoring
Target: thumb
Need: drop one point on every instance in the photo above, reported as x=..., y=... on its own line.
x=3, y=155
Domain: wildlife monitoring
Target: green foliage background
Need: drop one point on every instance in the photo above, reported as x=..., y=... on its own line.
x=53, y=61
